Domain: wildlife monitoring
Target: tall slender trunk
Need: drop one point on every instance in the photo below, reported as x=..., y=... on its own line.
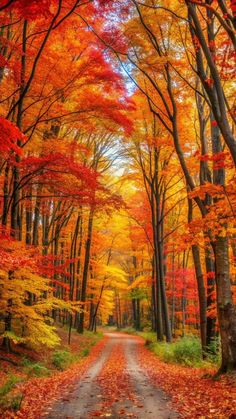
x=78, y=269
x=210, y=269
x=29, y=219
x=86, y=269
x=36, y=217
x=202, y=296
x=154, y=309
x=5, y=195
x=73, y=252
x=163, y=294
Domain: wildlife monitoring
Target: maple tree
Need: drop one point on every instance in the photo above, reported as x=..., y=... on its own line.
x=117, y=170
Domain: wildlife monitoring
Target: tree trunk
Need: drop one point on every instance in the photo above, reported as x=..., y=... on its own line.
x=201, y=296
x=225, y=307
x=86, y=269
x=5, y=196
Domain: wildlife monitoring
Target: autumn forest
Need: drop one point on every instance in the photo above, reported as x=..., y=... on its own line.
x=117, y=208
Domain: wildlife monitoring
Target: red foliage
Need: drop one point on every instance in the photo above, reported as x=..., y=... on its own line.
x=181, y=283
x=10, y=134
x=33, y=9
x=233, y=7
x=52, y=170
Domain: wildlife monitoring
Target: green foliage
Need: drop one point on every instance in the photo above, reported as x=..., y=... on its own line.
x=26, y=362
x=9, y=384
x=213, y=353
x=14, y=402
x=138, y=294
x=38, y=370
x=85, y=352
x=95, y=337
x=129, y=330
x=61, y=359
x=185, y=351
x=10, y=401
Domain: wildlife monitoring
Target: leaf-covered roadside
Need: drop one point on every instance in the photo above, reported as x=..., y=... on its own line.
x=194, y=396
x=40, y=393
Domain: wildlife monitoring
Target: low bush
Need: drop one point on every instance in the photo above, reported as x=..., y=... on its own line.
x=9, y=384
x=15, y=402
x=186, y=350
x=38, y=370
x=11, y=401
x=61, y=359
x=8, y=400
x=84, y=352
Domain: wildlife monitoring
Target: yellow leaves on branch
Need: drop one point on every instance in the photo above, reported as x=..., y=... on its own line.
x=142, y=281
x=29, y=300
x=114, y=275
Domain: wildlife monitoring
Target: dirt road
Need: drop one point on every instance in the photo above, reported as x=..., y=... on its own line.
x=115, y=386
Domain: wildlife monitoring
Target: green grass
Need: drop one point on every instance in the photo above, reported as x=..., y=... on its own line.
x=130, y=330
x=185, y=351
x=94, y=336
x=10, y=401
x=9, y=384
x=85, y=352
x=15, y=402
x=63, y=358
x=35, y=369
x=38, y=370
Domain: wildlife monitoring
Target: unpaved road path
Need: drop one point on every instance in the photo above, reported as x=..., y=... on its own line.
x=115, y=386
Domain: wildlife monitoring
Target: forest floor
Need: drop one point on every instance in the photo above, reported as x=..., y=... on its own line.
x=121, y=378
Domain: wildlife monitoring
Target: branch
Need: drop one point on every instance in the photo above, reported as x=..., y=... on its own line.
x=6, y=5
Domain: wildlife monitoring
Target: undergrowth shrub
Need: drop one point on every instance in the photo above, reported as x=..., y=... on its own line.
x=187, y=351
x=38, y=370
x=61, y=359
x=85, y=352
x=9, y=384
x=7, y=400
x=35, y=368
x=11, y=401
x=15, y=402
